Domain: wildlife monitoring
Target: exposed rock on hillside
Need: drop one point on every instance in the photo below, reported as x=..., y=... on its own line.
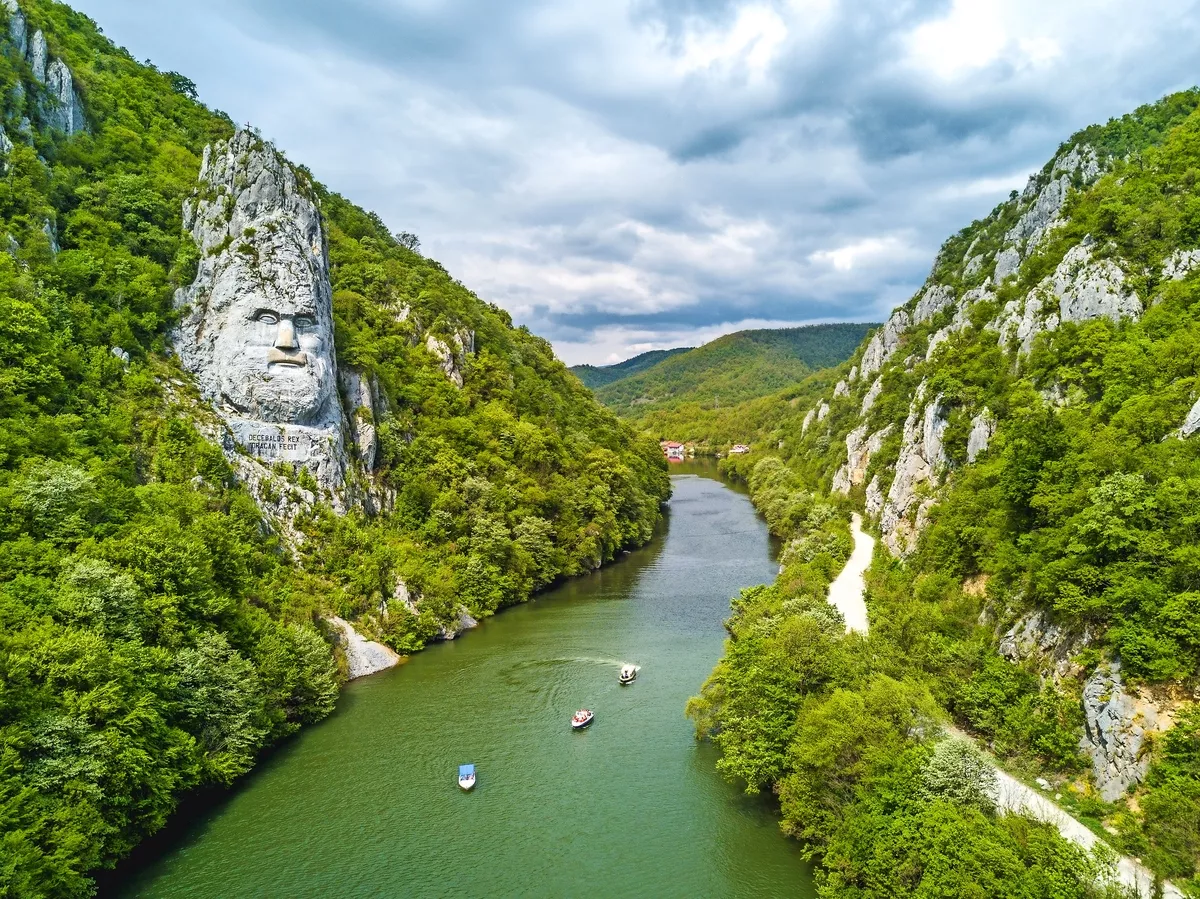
x=859, y=450
x=360, y=395
x=61, y=108
x=922, y=456
x=1117, y=723
x=1044, y=200
x=257, y=329
x=872, y=395
x=1088, y=289
x=1180, y=264
x=1191, y=424
x=983, y=427
x=452, y=353
x=363, y=656
x=884, y=343
x=1008, y=261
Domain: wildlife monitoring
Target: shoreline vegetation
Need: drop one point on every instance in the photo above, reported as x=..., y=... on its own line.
x=849, y=739
x=1032, y=465
x=156, y=632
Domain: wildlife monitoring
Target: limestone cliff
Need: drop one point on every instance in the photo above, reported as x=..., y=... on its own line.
x=56, y=101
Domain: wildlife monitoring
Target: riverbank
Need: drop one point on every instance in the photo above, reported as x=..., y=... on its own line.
x=367, y=803
x=848, y=595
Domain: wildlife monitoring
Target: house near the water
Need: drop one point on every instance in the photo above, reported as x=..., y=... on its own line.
x=675, y=452
x=739, y=449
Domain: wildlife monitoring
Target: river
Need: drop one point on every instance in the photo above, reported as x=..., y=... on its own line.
x=365, y=804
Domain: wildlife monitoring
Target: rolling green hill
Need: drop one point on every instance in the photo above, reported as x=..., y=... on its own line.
x=594, y=376
x=1023, y=437
x=733, y=368
x=158, y=629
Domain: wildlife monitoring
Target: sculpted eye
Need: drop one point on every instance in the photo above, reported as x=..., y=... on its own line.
x=304, y=321
x=266, y=317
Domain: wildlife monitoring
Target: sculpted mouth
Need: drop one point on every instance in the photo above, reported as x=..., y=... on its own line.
x=277, y=356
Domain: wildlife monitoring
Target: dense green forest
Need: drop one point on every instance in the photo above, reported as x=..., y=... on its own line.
x=155, y=635
x=731, y=369
x=1080, y=510
x=594, y=376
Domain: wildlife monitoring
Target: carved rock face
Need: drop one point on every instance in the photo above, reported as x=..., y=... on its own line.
x=259, y=331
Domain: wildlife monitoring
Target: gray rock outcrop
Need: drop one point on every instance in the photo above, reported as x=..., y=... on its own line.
x=1180, y=264
x=1043, y=214
x=841, y=389
x=872, y=395
x=1008, y=261
x=884, y=343
x=808, y=420
x=1191, y=424
x=64, y=109
x=61, y=107
x=922, y=457
x=462, y=622
x=1088, y=289
x=1035, y=636
x=822, y=411
x=983, y=428
x=936, y=298
x=452, y=353
x=1045, y=199
x=363, y=656
x=874, y=499
x=1080, y=289
x=359, y=394
x=257, y=328
x=859, y=450
x=1116, y=724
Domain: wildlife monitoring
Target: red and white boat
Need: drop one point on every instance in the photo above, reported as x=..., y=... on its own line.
x=582, y=718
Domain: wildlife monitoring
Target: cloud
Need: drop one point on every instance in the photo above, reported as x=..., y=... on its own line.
x=636, y=172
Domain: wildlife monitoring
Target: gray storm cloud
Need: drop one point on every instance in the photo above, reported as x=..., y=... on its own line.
x=628, y=175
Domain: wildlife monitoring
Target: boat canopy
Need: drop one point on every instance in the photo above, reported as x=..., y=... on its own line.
x=466, y=770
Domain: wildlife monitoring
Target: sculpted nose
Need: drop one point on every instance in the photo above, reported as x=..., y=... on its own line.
x=286, y=338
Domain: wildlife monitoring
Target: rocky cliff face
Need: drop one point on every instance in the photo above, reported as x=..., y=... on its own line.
x=1084, y=286
x=257, y=333
x=1119, y=723
x=57, y=104
x=257, y=328
x=922, y=461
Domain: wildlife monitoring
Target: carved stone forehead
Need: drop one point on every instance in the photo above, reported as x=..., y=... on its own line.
x=247, y=186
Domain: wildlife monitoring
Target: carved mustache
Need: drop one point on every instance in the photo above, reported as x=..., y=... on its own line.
x=286, y=357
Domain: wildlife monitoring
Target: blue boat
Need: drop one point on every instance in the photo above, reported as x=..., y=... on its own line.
x=466, y=777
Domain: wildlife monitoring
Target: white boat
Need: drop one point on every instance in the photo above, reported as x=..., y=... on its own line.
x=582, y=719
x=628, y=673
x=466, y=777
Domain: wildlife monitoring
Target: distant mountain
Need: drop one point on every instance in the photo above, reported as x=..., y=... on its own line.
x=594, y=376
x=732, y=368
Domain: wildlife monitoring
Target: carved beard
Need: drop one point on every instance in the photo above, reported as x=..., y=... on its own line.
x=285, y=394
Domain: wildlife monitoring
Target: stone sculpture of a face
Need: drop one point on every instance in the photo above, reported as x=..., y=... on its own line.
x=258, y=330
x=272, y=347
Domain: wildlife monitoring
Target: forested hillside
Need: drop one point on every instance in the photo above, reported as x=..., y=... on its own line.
x=732, y=368
x=1021, y=437
x=157, y=630
x=594, y=376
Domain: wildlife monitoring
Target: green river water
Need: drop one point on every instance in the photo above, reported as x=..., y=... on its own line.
x=366, y=803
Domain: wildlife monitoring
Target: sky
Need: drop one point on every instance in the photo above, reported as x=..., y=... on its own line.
x=627, y=175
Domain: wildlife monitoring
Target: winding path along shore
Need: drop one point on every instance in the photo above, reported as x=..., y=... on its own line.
x=848, y=589
x=846, y=593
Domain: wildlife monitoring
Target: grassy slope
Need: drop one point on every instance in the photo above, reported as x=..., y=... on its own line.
x=734, y=368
